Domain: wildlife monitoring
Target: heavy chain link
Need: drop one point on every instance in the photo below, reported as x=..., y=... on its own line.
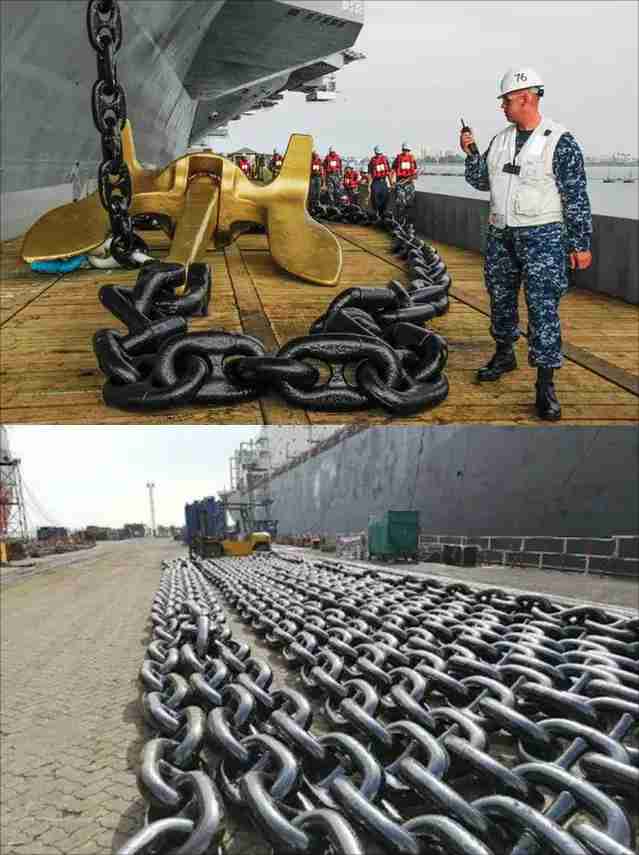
x=460, y=720
x=371, y=340
x=374, y=347
x=108, y=106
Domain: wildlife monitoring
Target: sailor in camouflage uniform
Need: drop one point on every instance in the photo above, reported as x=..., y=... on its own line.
x=539, y=219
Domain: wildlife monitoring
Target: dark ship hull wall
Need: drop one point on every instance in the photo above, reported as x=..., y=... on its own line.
x=572, y=482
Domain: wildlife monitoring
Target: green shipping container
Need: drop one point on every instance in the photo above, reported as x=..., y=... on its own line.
x=394, y=534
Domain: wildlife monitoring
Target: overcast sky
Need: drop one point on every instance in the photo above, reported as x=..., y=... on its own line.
x=96, y=475
x=428, y=63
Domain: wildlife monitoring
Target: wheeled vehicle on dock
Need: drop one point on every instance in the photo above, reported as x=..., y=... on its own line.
x=216, y=527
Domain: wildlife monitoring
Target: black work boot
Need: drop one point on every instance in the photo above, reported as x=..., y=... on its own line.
x=547, y=404
x=503, y=361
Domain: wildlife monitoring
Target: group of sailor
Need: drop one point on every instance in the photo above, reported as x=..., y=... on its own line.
x=342, y=180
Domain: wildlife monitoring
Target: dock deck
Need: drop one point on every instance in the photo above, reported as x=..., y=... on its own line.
x=49, y=373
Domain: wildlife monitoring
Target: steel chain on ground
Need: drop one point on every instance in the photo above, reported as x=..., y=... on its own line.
x=371, y=341
x=436, y=694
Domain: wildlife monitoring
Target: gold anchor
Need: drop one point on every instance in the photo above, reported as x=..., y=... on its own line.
x=208, y=198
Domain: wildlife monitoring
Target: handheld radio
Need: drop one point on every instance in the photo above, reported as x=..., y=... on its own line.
x=472, y=148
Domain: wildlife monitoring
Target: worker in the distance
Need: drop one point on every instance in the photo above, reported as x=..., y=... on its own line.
x=76, y=181
x=363, y=192
x=275, y=163
x=245, y=165
x=317, y=175
x=333, y=175
x=379, y=171
x=539, y=221
x=404, y=174
x=351, y=183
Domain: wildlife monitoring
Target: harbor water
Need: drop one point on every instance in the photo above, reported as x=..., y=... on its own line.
x=612, y=200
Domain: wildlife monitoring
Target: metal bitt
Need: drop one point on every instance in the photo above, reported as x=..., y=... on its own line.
x=207, y=198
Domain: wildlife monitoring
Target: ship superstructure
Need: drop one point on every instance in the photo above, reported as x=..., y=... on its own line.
x=188, y=67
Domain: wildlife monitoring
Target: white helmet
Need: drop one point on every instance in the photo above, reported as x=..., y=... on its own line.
x=520, y=78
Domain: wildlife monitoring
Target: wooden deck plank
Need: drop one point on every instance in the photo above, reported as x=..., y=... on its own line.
x=256, y=323
x=583, y=325
x=588, y=319
x=49, y=372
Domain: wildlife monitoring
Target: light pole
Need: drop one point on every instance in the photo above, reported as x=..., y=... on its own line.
x=151, y=486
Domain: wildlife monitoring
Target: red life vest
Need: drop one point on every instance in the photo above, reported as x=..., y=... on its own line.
x=316, y=166
x=276, y=162
x=245, y=166
x=351, y=179
x=332, y=164
x=405, y=165
x=379, y=166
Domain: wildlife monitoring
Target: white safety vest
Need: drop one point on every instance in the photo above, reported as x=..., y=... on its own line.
x=530, y=198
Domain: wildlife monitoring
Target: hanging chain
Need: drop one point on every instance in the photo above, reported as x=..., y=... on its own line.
x=108, y=105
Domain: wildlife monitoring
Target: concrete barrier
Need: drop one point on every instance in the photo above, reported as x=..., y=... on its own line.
x=617, y=555
x=463, y=222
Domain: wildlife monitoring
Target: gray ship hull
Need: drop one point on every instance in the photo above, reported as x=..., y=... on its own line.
x=187, y=66
x=577, y=482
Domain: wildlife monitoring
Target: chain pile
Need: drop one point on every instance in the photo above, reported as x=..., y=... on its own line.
x=371, y=341
x=461, y=720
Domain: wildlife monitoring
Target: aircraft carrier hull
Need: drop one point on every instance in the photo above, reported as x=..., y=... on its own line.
x=572, y=482
x=187, y=67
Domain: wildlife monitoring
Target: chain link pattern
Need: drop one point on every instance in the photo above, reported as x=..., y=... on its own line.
x=460, y=720
x=108, y=106
x=371, y=341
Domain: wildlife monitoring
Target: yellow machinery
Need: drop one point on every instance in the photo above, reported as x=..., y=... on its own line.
x=211, y=532
x=215, y=547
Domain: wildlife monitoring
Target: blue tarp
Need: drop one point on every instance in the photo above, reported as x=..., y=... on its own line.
x=59, y=265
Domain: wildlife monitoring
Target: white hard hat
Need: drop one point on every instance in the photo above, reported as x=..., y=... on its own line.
x=377, y=149
x=405, y=146
x=520, y=78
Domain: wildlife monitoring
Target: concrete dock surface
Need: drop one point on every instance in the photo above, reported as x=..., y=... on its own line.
x=73, y=639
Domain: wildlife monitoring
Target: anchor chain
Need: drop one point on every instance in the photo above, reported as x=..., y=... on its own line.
x=371, y=341
x=108, y=106
x=466, y=720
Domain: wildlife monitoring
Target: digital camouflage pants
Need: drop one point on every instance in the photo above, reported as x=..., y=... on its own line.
x=379, y=195
x=404, y=196
x=333, y=187
x=315, y=189
x=536, y=256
